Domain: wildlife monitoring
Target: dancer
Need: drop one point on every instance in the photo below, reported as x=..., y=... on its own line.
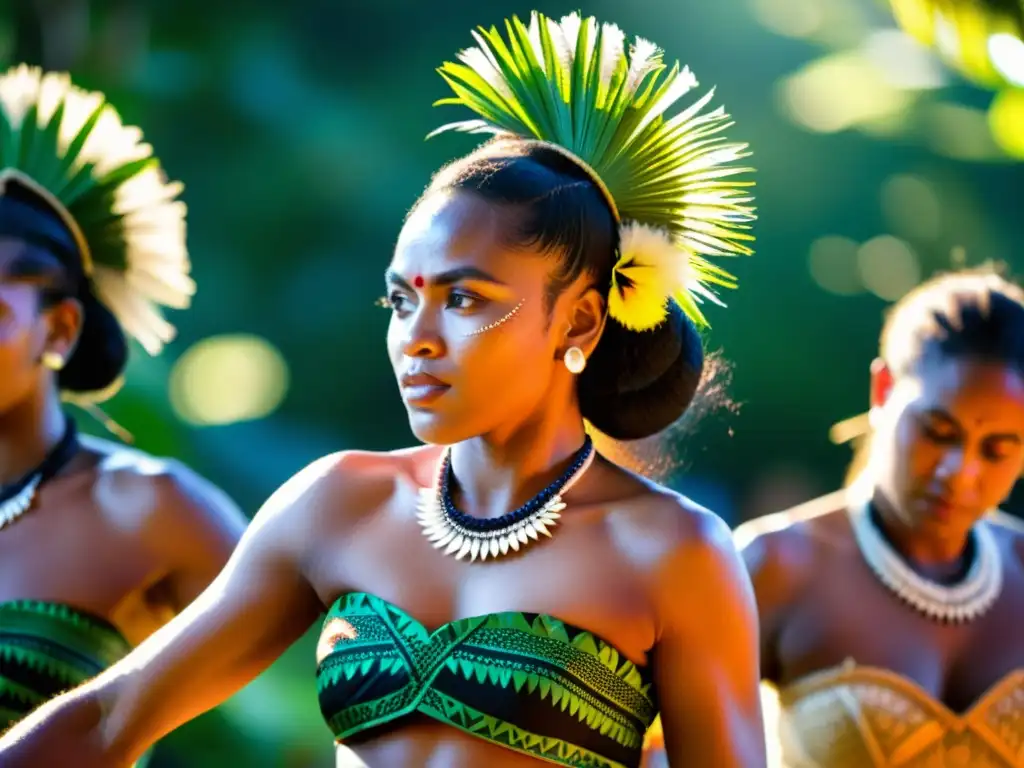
x=100, y=545
x=542, y=282
x=892, y=613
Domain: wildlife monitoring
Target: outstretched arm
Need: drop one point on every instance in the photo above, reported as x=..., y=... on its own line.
x=706, y=656
x=258, y=606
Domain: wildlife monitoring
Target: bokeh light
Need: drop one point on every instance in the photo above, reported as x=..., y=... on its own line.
x=888, y=267
x=833, y=264
x=1006, y=121
x=982, y=39
x=228, y=379
x=842, y=91
x=903, y=61
x=790, y=18
x=911, y=206
x=959, y=132
x=1007, y=54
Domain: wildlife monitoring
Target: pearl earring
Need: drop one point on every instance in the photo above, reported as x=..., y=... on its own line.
x=575, y=360
x=53, y=360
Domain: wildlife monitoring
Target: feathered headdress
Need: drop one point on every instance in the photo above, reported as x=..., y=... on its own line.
x=70, y=147
x=671, y=181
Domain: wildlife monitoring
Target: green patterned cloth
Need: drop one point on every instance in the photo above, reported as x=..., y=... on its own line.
x=46, y=648
x=49, y=648
x=527, y=682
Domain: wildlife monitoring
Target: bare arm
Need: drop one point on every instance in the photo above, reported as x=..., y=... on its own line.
x=754, y=544
x=195, y=532
x=706, y=656
x=780, y=563
x=258, y=606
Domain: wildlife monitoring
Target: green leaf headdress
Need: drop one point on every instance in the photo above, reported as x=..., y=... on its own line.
x=574, y=86
x=70, y=147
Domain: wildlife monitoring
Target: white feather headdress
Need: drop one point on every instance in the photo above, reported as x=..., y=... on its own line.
x=70, y=145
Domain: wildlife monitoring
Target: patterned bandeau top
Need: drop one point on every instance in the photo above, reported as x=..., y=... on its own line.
x=864, y=717
x=526, y=682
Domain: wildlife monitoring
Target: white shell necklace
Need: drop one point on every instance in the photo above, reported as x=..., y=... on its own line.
x=955, y=604
x=19, y=502
x=13, y=508
x=464, y=536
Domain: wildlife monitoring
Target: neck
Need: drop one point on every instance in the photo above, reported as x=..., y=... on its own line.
x=28, y=432
x=499, y=472
x=939, y=558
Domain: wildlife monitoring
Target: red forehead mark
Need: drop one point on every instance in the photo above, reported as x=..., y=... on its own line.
x=418, y=281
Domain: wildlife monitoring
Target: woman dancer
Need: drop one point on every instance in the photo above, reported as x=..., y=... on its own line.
x=541, y=281
x=99, y=545
x=892, y=614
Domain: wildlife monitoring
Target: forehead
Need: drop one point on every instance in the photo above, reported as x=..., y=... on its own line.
x=977, y=393
x=447, y=231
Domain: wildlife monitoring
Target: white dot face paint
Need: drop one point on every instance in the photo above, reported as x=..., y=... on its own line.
x=500, y=321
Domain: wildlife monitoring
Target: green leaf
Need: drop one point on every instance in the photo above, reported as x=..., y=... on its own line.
x=616, y=109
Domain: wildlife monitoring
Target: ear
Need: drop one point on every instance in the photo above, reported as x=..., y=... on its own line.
x=63, y=327
x=586, y=319
x=881, y=384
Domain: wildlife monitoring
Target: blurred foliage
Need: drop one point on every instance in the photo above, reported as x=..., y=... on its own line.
x=299, y=132
x=983, y=39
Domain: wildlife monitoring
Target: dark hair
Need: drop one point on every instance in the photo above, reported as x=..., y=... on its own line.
x=635, y=384
x=973, y=313
x=51, y=252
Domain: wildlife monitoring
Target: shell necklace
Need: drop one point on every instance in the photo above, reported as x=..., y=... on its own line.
x=16, y=499
x=462, y=535
x=954, y=604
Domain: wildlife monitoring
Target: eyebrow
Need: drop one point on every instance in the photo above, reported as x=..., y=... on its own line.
x=450, y=277
x=941, y=415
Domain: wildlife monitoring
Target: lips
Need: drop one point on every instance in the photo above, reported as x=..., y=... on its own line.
x=939, y=507
x=420, y=389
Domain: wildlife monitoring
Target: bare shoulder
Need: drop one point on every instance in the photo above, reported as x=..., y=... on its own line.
x=698, y=538
x=1010, y=528
x=785, y=544
x=134, y=489
x=691, y=567
x=680, y=522
x=1007, y=524
x=667, y=535
x=345, y=486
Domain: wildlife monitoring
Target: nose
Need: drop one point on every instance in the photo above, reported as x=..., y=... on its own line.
x=959, y=471
x=422, y=337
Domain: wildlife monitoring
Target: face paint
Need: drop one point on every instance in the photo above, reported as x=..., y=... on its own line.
x=496, y=323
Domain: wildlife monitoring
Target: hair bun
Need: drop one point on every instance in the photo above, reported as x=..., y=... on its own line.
x=637, y=384
x=101, y=354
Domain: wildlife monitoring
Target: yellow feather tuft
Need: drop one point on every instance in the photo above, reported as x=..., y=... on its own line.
x=651, y=270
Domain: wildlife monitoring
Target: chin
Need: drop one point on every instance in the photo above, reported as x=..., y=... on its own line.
x=944, y=522
x=432, y=428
